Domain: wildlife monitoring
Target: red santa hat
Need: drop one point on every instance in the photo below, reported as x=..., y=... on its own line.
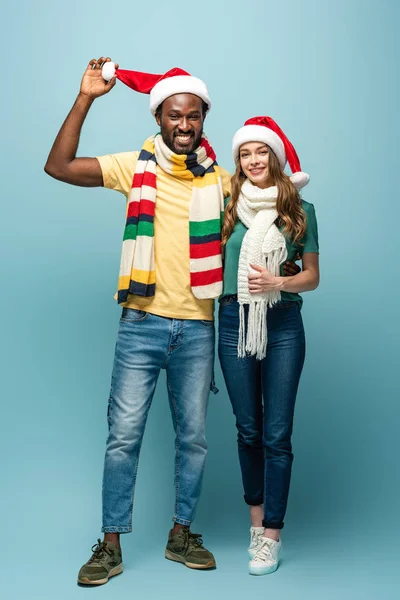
x=160, y=87
x=264, y=129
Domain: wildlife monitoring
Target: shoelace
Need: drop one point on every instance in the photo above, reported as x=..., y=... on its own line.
x=255, y=538
x=264, y=552
x=195, y=540
x=98, y=551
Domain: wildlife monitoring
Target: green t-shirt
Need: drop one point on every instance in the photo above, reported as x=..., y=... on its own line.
x=232, y=251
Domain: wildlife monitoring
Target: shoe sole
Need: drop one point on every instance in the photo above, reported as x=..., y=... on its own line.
x=261, y=571
x=115, y=571
x=177, y=558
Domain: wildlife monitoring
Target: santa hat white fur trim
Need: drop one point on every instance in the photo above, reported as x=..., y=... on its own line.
x=259, y=133
x=180, y=84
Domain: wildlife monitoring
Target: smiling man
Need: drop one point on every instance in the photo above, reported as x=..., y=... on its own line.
x=181, y=137
x=170, y=273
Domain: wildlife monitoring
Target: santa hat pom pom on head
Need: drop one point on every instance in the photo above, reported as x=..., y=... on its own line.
x=264, y=129
x=160, y=87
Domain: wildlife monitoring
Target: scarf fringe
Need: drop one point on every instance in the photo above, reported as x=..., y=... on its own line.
x=242, y=333
x=255, y=342
x=274, y=260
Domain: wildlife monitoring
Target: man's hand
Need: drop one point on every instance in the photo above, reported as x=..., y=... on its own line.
x=290, y=268
x=62, y=162
x=93, y=85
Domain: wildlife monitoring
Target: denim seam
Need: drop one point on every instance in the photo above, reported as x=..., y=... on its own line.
x=181, y=521
x=110, y=403
x=109, y=412
x=171, y=347
x=142, y=318
x=177, y=465
x=272, y=525
x=133, y=320
x=137, y=466
x=254, y=502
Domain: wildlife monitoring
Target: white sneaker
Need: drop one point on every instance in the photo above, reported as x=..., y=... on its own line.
x=266, y=559
x=256, y=535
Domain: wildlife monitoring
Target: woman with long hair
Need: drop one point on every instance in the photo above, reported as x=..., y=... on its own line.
x=261, y=335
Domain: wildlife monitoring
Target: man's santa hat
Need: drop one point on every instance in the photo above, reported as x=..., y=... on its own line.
x=264, y=129
x=160, y=87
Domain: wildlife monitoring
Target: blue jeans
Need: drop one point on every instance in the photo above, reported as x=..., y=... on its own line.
x=146, y=344
x=263, y=395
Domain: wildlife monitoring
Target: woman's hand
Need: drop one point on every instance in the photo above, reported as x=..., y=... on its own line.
x=263, y=281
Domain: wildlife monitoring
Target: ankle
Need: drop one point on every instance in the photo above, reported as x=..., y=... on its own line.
x=178, y=527
x=256, y=515
x=272, y=534
x=113, y=538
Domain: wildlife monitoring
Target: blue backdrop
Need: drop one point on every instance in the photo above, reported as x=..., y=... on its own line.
x=327, y=72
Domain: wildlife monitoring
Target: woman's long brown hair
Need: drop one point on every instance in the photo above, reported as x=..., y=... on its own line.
x=288, y=204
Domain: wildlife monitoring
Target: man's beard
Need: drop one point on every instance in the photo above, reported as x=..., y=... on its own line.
x=169, y=140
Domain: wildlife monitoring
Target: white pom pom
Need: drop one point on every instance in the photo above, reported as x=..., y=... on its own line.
x=299, y=179
x=108, y=71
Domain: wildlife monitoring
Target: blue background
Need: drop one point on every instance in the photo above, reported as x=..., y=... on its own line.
x=327, y=72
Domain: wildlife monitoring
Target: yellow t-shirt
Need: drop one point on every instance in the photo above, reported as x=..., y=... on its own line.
x=173, y=297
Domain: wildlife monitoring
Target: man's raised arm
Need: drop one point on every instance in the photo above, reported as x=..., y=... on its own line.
x=62, y=163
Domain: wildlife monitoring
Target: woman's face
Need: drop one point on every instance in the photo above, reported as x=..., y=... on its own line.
x=254, y=157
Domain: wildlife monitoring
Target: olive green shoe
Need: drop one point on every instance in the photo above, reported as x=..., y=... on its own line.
x=187, y=548
x=105, y=562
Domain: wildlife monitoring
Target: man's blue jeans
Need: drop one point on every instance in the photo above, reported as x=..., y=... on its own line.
x=146, y=344
x=263, y=395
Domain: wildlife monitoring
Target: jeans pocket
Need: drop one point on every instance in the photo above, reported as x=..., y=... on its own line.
x=131, y=315
x=207, y=323
x=286, y=304
x=225, y=300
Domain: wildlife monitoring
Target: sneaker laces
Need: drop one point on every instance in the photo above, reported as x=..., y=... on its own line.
x=255, y=538
x=195, y=540
x=264, y=553
x=99, y=550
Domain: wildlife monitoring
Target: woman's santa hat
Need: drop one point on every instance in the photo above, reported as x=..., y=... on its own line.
x=160, y=87
x=264, y=129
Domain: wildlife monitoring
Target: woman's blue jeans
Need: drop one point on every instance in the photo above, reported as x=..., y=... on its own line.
x=263, y=395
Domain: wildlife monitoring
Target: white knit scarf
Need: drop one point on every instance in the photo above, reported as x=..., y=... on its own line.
x=263, y=245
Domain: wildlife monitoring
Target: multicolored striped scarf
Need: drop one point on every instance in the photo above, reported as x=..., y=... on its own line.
x=137, y=271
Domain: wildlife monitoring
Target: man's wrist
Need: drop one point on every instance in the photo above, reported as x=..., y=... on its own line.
x=84, y=100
